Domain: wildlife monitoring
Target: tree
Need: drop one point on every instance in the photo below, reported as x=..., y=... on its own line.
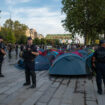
x=19, y=29
x=4, y=32
x=10, y=37
x=48, y=41
x=8, y=24
x=84, y=17
x=56, y=42
x=16, y=28
x=37, y=41
x=22, y=39
x=43, y=41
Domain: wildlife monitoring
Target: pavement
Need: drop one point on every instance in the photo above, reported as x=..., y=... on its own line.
x=50, y=90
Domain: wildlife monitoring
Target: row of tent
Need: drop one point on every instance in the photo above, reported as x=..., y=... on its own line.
x=60, y=63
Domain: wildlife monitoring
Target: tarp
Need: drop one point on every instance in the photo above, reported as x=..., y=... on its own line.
x=69, y=64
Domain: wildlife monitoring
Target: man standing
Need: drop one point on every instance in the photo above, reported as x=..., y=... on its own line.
x=9, y=50
x=29, y=55
x=99, y=64
x=16, y=49
x=2, y=53
x=21, y=47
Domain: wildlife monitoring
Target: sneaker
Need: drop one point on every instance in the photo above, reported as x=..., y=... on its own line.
x=1, y=75
x=26, y=84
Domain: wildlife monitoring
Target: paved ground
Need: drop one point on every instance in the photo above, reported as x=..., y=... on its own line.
x=50, y=90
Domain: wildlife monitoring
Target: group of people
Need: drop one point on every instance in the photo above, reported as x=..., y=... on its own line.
x=29, y=53
x=10, y=47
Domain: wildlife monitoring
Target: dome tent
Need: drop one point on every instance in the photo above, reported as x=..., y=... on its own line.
x=88, y=61
x=42, y=63
x=69, y=64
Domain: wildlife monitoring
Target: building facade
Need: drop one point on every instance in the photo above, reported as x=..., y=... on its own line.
x=59, y=36
x=33, y=34
x=40, y=36
x=63, y=38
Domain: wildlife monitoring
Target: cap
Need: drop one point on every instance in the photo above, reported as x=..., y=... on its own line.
x=29, y=38
x=102, y=41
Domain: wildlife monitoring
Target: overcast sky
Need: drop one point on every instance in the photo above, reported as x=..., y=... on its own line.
x=43, y=15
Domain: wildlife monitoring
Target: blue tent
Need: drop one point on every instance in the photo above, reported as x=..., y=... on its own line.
x=69, y=64
x=88, y=61
x=41, y=63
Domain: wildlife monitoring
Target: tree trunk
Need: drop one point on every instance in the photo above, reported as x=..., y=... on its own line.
x=104, y=34
x=85, y=38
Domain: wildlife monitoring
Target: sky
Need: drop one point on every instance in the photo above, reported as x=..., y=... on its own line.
x=43, y=15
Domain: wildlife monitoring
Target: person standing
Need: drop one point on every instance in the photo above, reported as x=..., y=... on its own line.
x=21, y=47
x=16, y=49
x=98, y=62
x=9, y=50
x=2, y=53
x=29, y=55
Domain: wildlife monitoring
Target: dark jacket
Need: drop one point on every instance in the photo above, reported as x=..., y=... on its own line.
x=27, y=53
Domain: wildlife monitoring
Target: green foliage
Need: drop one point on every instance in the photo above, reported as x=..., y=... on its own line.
x=14, y=31
x=19, y=29
x=37, y=41
x=85, y=17
x=10, y=37
x=22, y=39
x=56, y=42
x=46, y=41
x=43, y=41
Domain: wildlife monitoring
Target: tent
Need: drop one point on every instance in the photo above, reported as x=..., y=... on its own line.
x=77, y=53
x=83, y=53
x=41, y=63
x=88, y=61
x=69, y=64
